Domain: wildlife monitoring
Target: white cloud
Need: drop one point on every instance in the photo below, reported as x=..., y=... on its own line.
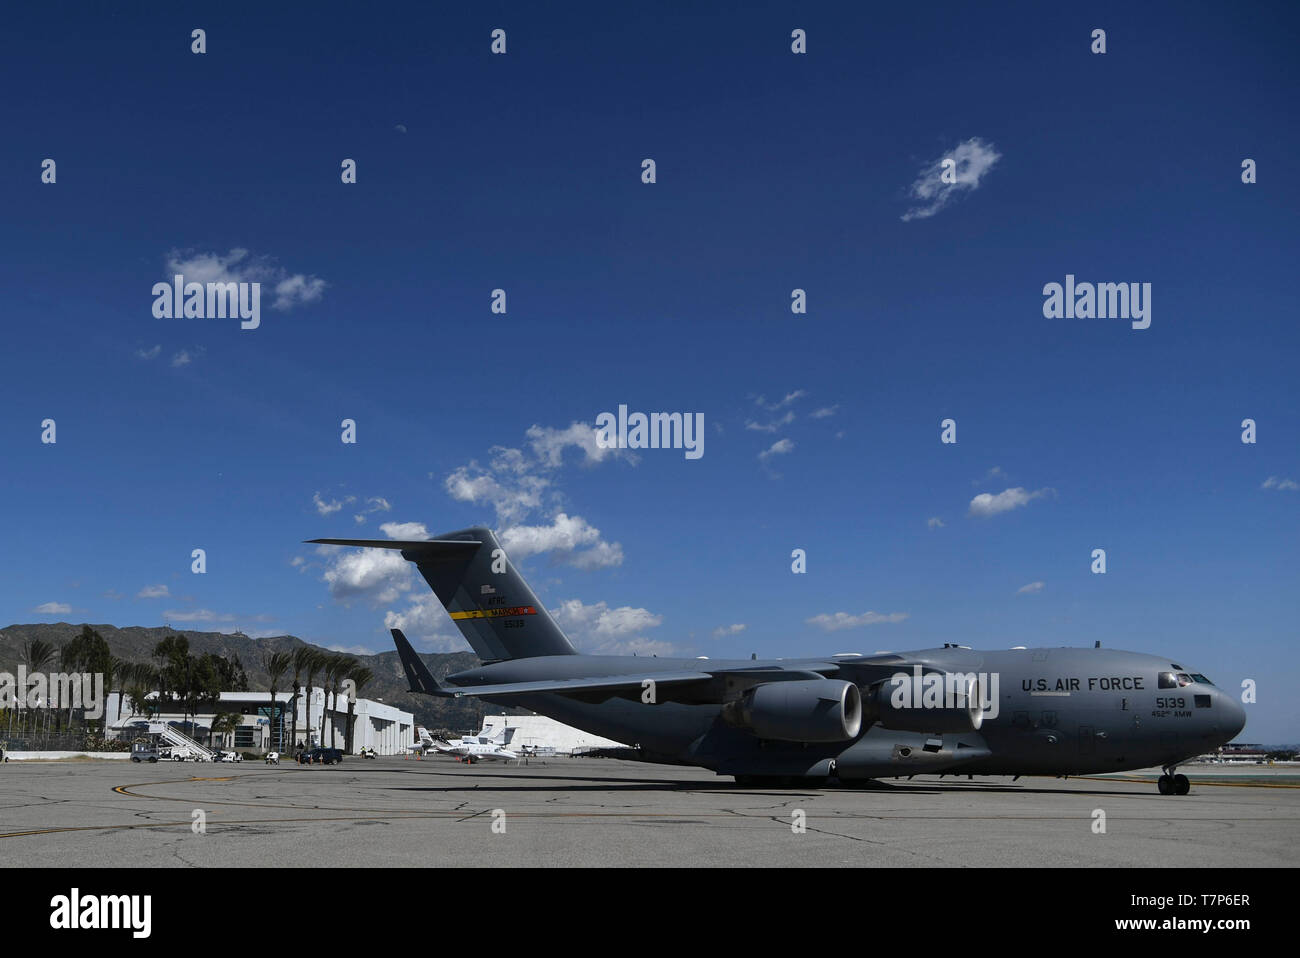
x=405, y=530
x=149, y=353
x=153, y=592
x=425, y=621
x=182, y=358
x=1274, y=482
x=549, y=445
x=842, y=620
x=986, y=504
x=518, y=484
x=373, y=504
x=974, y=158
x=572, y=535
x=599, y=629
x=599, y=619
x=789, y=398
x=602, y=555
x=934, y=522
x=238, y=267
x=772, y=426
x=512, y=492
x=995, y=473
x=53, y=608
x=197, y=615
x=350, y=650
x=824, y=412
x=377, y=576
x=333, y=505
x=1031, y=588
x=779, y=448
x=725, y=630
x=296, y=289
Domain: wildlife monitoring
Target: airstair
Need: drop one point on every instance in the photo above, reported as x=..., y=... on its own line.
x=179, y=740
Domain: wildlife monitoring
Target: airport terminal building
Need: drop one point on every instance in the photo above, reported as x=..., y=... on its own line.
x=377, y=726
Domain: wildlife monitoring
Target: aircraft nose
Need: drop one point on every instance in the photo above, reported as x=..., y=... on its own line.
x=1234, y=717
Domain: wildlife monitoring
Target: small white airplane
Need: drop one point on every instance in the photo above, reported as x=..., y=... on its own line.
x=424, y=742
x=476, y=748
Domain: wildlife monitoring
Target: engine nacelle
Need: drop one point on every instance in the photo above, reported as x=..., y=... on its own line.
x=934, y=702
x=816, y=710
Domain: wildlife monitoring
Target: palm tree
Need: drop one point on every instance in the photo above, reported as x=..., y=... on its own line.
x=301, y=656
x=226, y=724
x=73, y=657
x=139, y=677
x=276, y=664
x=38, y=654
x=360, y=676
x=339, y=665
x=163, y=653
x=112, y=668
x=313, y=662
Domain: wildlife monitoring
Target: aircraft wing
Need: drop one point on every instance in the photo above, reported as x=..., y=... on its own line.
x=422, y=681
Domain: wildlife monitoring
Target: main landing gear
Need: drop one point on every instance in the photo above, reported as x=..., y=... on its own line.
x=1171, y=784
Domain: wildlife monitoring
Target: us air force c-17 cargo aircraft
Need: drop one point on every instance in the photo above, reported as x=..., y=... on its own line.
x=1021, y=711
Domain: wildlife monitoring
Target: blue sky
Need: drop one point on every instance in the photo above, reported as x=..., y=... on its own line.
x=775, y=171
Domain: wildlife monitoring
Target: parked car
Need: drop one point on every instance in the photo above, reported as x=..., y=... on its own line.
x=322, y=756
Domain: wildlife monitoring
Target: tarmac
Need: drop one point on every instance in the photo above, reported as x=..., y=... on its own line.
x=606, y=812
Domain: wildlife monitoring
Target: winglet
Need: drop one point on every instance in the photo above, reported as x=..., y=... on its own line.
x=418, y=675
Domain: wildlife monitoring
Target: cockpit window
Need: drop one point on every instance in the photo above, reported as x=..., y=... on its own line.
x=1184, y=679
x=1167, y=680
x=1198, y=677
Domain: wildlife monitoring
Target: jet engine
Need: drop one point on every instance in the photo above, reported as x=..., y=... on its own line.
x=816, y=710
x=934, y=702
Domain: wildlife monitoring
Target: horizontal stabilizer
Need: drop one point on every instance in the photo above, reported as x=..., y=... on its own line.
x=418, y=675
x=426, y=548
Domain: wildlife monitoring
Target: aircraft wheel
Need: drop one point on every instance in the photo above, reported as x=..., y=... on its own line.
x=1181, y=785
x=1165, y=784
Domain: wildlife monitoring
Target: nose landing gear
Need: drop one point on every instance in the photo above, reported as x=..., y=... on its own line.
x=1171, y=784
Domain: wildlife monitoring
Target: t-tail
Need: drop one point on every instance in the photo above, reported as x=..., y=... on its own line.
x=485, y=596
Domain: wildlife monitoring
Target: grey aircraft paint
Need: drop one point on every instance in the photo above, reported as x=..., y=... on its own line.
x=1042, y=711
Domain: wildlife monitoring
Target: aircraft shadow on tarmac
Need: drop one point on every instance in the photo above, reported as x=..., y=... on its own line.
x=588, y=783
